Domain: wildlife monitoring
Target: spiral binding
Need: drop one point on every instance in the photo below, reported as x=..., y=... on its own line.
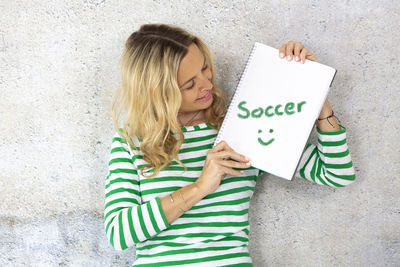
x=232, y=101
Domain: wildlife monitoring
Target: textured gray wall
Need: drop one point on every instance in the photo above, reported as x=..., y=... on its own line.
x=59, y=69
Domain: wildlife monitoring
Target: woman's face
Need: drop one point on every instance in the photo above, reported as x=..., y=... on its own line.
x=194, y=80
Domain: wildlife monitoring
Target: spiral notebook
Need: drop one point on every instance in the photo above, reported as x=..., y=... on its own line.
x=274, y=109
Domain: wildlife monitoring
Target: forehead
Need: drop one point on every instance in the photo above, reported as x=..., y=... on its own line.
x=191, y=64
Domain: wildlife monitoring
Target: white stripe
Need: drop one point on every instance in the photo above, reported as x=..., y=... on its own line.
x=162, y=248
x=232, y=196
x=115, y=225
x=136, y=225
x=147, y=222
x=196, y=229
x=339, y=181
x=160, y=222
x=330, y=137
x=343, y=160
x=127, y=232
x=121, y=165
x=120, y=185
x=197, y=255
x=332, y=149
x=345, y=171
x=123, y=194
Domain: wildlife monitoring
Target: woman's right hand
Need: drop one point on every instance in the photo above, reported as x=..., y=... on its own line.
x=217, y=165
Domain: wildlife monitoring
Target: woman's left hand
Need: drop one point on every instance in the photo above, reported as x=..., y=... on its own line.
x=301, y=53
x=297, y=50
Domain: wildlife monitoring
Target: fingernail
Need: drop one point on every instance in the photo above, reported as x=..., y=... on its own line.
x=297, y=58
x=288, y=57
x=281, y=55
x=248, y=163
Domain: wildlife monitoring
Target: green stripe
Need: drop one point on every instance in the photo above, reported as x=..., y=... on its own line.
x=121, y=232
x=121, y=180
x=213, y=195
x=186, y=251
x=119, y=139
x=141, y=220
x=319, y=170
x=223, y=203
x=215, y=213
x=177, y=168
x=190, y=160
x=118, y=149
x=339, y=166
x=122, y=190
x=188, y=235
x=124, y=199
x=130, y=171
x=234, y=179
x=337, y=155
x=314, y=168
x=209, y=224
x=205, y=259
x=229, y=191
x=344, y=177
x=196, y=148
x=302, y=174
x=111, y=212
x=112, y=237
x=152, y=218
x=169, y=179
x=332, y=143
x=335, y=184
x=119, y=160
x=228, y=237
x=198, y=139
x=131, y=226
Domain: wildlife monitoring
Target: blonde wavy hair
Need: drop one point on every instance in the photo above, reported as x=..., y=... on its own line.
x=150, y=95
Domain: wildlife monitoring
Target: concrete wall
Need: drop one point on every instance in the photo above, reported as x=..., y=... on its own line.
x=59, y=69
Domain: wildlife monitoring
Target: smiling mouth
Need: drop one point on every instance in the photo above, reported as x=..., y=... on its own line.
x=265, y=143
x=205, y=96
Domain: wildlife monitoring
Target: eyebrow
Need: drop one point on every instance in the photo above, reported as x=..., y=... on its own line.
x=195, y=75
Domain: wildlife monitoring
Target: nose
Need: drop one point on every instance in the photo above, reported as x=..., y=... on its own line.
x=206, y=83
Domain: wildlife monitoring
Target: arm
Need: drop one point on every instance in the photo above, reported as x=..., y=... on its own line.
x=329, y=163
x=127, y=220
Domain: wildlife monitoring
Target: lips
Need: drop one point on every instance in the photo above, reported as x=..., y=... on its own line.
x=205, y=96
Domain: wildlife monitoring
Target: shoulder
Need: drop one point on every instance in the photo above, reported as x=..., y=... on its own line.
x=118, y=139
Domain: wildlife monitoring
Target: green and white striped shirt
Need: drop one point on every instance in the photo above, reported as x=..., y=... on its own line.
x=215, y=231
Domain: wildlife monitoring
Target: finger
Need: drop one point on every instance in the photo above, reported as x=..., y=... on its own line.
x=230, y=154
x=306, y=54
x=311, y=56
x=219, y=147
x=289, y=50
x=232, y=171
x=303, y=55
x=298, y=46
x=234, y=164
x=282, y=51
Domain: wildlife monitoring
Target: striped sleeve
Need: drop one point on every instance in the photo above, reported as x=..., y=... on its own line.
x=127, y=220
x=329, y=162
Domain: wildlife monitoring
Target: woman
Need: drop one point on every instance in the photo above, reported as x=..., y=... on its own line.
x=168, y=192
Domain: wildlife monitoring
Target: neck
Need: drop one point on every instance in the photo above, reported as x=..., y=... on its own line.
x=190, y=118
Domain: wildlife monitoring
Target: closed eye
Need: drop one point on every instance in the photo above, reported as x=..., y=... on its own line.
x=203, y=69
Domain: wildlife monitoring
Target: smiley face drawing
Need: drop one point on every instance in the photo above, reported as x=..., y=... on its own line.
x=268, y=142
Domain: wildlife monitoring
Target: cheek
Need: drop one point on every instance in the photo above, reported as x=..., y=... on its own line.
x=188, y=97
